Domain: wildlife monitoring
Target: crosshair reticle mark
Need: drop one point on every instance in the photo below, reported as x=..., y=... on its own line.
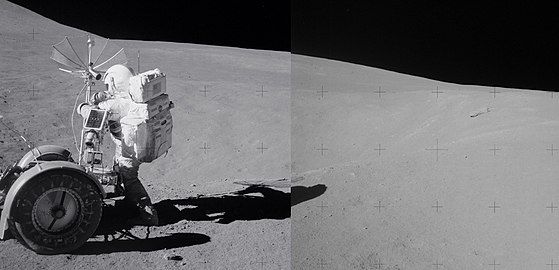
x=379, y=92
x=261, y=148
x=552, y=207
x=205, y=91
x=552, y=264
x=261, y=91
x=437, y=92
x=321, y=92
x=32, y=90
x=33, y=33
x=494, y=92
x=379, y=149
x=437, y=206
x=205, y=148
x=379, y=206
x=322, y=206
x=322, y=149
x=494, y=264
x=436, y=149
x=494, y=149
x=494, y=206
x=552, y=149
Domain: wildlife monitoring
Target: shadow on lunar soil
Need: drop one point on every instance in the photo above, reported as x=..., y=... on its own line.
x=174, y=240
x=252, y=203
x=300, y=194
x=114, y=225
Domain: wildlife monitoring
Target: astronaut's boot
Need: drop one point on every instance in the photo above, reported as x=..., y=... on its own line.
x=147, y=215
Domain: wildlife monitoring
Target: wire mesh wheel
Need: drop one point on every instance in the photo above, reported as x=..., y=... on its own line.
x=56, y=212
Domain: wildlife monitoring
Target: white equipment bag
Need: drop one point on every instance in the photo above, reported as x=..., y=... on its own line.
x=149, y=117
x=147, y=85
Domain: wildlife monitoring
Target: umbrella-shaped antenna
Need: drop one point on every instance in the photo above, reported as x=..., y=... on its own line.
x=81, y=57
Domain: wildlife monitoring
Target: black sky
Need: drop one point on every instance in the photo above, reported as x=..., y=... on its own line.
x=508, y=44
x=497, y=43
x=258, y=24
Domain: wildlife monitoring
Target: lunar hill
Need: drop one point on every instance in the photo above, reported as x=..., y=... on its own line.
x=412, y=173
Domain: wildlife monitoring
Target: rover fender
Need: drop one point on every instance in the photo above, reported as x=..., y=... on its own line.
x=31, y=174
x=47, y=152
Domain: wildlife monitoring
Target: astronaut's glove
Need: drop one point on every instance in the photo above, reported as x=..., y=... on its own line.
x=116, y=130
x=84, y=108
x=100, y=97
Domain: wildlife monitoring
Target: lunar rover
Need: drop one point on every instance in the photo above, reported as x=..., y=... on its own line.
x=52, y=203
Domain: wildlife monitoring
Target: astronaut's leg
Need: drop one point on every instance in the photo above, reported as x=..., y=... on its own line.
x=134, y=192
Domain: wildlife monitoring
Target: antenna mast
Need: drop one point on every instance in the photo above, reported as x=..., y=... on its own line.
x=89, y=79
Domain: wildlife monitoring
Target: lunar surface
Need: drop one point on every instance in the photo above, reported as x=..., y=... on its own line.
x=388, y=171
x=231, y=122
x=411, y=173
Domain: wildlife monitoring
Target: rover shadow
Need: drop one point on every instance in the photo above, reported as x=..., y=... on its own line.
x=113, y=226
x=175, y=240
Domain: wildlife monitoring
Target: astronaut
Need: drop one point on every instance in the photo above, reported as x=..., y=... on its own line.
x=116, y=99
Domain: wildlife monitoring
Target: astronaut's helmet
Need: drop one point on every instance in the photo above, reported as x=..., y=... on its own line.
x=117, y=80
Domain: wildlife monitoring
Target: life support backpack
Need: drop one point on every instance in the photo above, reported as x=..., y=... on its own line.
x=149, y=116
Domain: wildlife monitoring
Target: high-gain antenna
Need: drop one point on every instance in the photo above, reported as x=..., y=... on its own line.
x=82, y=58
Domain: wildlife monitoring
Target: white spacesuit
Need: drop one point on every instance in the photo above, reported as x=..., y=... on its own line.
x=116, y=99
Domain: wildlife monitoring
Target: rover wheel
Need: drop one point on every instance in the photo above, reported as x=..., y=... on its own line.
x=56, y=213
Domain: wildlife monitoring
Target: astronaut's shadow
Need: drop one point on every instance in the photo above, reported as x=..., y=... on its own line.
x=252, y=203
